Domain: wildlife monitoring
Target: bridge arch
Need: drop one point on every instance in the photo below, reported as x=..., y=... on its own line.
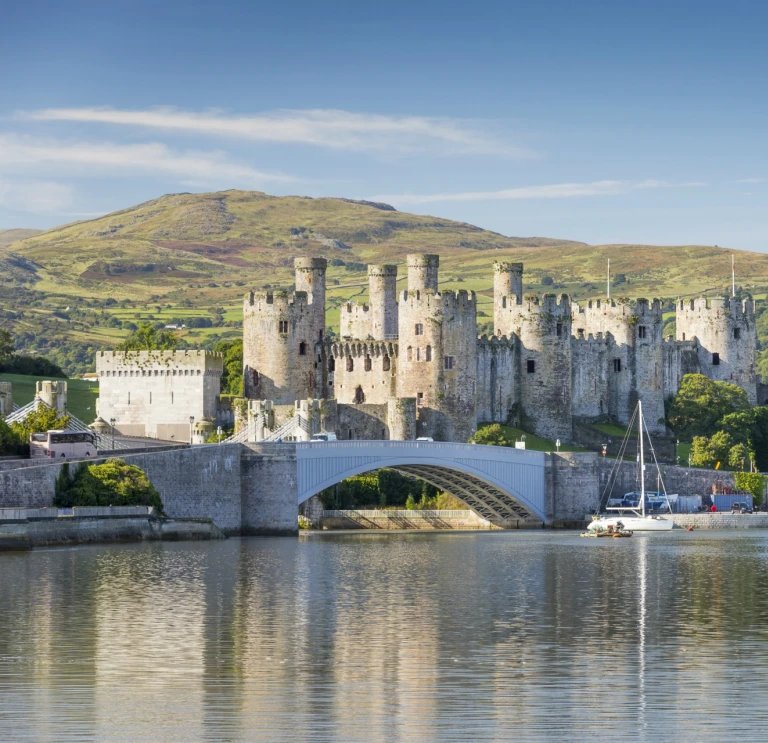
x=500, y=484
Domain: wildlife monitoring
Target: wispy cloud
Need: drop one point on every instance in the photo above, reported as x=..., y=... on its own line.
x=551, y=191
x=43, y=197
x=750, y=180
x=19, y=154
x=329, y=128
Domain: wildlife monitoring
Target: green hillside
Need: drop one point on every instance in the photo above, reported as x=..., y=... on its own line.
x=191, y=257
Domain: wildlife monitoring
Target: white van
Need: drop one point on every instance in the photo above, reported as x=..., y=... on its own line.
x=323, y=437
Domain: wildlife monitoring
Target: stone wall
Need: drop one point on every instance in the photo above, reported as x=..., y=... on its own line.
x=498, y=378
x=362, y=371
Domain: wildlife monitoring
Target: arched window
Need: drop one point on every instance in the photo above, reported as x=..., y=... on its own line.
x=428, y=356
x=367, y=363
x=385, y=363
x=359, y=396
x=409, y=354
x=504, y=302
x=302, y=349
x=350, y=363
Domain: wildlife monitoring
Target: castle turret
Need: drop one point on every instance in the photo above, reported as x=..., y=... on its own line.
x=422, y=272
x=725, y=333
x=310, y=278
x=437, y=361
x=507, y=288
x=382, y=293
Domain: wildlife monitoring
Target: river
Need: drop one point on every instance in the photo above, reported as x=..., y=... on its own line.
x=342, y=637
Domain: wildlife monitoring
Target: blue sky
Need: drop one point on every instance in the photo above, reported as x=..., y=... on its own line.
x=597, y=121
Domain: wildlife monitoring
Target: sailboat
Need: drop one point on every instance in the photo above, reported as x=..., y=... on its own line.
x=634, y=517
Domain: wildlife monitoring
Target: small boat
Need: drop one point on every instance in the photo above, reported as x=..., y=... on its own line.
x=632, y=513
x=613, y=531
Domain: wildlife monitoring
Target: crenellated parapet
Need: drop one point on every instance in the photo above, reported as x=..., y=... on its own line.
x=359, y=348
x=159, y=363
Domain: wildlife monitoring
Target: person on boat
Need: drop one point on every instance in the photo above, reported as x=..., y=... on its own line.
x=713, y=509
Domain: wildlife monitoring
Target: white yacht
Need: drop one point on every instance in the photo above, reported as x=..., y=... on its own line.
x=634, y=517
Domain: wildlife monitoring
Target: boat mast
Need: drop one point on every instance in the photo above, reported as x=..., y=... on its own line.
x=642, y=460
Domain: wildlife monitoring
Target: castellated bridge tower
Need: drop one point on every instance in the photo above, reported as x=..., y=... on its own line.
x=437, y=361
x=282, y=338
x=618, y=359
x=726, y=339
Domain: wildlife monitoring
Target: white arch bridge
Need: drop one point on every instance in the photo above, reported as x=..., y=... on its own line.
x=499, y=483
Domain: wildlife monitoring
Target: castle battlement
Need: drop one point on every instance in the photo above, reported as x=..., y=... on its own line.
x=157, y=363
x=717, y=306
x=360, y=348
x=279, y=301
x=621, y=308
x=497, y=341
x=451, y=300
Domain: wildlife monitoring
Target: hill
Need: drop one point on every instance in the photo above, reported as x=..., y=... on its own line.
x=11, y=236
x=190, y=258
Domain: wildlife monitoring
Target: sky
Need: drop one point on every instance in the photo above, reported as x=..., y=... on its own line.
x=605, y=122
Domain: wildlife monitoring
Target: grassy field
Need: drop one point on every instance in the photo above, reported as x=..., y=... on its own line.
x=533, y=442
x=81, y=394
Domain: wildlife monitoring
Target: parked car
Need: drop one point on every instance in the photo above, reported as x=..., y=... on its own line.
x=323, y=437
x=741, y=508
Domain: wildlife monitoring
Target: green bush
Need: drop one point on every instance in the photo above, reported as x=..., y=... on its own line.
x=112, y=483
x=752, y=482
x=491, y=436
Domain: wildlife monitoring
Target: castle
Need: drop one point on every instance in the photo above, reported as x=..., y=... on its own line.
x=413, y=362
x=410, y=364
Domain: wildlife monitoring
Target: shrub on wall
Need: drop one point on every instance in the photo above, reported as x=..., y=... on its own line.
x=112, y=483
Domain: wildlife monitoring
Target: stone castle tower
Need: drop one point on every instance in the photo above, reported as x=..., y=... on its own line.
x=437, y=338
x=283, y=338
x=727, y=338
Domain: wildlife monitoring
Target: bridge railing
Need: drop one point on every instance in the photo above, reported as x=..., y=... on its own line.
x=403, y=514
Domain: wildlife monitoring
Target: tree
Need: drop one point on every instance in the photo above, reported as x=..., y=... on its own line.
x=149, y=338
x=112, y=483
x=751, y=428
x=38, y=421
x=700, y=405
x=232, y=379
x=547, y=281
x=707, y=452
x=738, y=457
x=492, y=435
x=6, y=346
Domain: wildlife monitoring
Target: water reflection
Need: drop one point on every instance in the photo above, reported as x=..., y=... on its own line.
x=415, y=637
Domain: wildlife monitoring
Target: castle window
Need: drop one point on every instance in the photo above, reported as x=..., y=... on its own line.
x=504, y=302
x=359, y=396
x=409, y=354
x=715, y=359
x=641, y=331
x=282, y=326
x=418, y=354
x=419, y=399
x=683, y=336
x=171, y=398
x=129, y=398
x=559, y=329
x=320, y=335
x=350, y=363
x=150, y=398
x=737, y=333
x=448, y=361
x=428, y=356
x=331, y=364
x=580, y=332
x=531, y=366
x=302, y=349
x=367, y=363
x=419, y=329
x=617, y=365
x=385, y=363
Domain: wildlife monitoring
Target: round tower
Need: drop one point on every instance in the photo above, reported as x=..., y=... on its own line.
x=726, y=335
x=422, y=272
x=543, y=325
x=401, y=418
x=280, y=360
x=437, y=361
x=507, y=289
x=53, y=394
x=382, y=291
x=310, y=278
